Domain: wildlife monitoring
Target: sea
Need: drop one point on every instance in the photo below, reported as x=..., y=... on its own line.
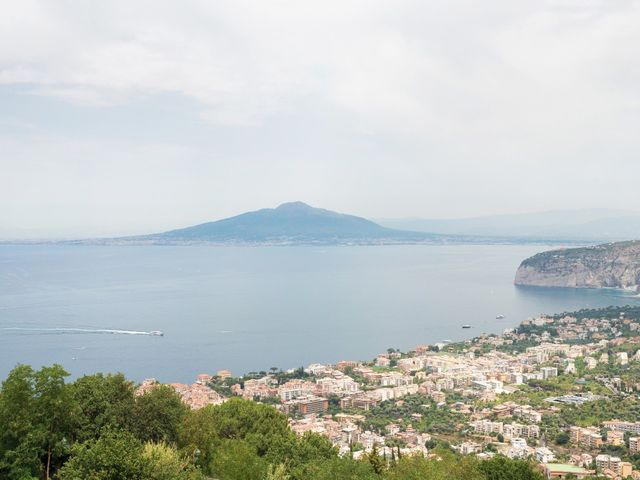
x=92, y=308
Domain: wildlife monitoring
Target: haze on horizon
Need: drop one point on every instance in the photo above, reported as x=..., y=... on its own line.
x=134, y=117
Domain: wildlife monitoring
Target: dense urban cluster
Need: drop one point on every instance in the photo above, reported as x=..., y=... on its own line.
x=526, y=394
x=556, y=397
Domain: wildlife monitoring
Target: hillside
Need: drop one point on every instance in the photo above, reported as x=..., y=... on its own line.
x=290, y=223
x=608, y=265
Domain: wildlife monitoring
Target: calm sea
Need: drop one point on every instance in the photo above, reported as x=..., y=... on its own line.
x=243, y=309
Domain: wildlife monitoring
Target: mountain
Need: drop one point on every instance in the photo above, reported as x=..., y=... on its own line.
x=587, y=225
x=290, y=223
x=608, y=265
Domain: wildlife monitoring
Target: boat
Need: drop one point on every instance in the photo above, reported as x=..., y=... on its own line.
x=466, y=326
x=156, y=333
x=499, y=317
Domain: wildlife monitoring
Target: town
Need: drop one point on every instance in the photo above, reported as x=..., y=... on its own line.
x=562, y=390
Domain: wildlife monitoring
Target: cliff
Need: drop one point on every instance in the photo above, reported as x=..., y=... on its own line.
x=608, y=265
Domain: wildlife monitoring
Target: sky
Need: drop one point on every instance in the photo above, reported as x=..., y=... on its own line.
x=122, y=117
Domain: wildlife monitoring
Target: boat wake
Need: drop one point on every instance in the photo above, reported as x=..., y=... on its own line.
x=79, y=331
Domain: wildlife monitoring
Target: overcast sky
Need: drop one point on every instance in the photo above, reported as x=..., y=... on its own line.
x=128, y=117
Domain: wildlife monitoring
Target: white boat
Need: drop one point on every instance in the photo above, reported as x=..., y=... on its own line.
x=499, y=317
x=466, y=326
x=156, y=333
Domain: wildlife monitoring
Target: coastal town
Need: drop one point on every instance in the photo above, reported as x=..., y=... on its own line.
x=561, y=390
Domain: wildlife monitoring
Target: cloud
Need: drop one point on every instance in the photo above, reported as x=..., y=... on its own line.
x=401, y=61
x=341, y=96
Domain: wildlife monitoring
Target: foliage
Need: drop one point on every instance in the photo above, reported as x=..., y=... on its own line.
x=113, y=456
x=156, y=415
x=35, y=422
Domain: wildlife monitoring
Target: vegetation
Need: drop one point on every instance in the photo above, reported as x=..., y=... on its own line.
x=96, y=428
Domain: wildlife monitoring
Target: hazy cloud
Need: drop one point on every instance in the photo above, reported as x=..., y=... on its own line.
x=150, y=114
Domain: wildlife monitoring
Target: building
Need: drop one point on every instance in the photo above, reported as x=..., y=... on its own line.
x=307, y=405
x=561, y=470
x=467, y=448
x=544, y=455
x=634, y=445
x=203, y=378
x=359, y=400
x=486, y=427
x=615, y=437
x=626, y=469
x=527, y=413
x=630, y=427
x=515, y=430
x=294, y=389
x=570, y=368
x=607, y=462
x=622, y=358
x=587, y=437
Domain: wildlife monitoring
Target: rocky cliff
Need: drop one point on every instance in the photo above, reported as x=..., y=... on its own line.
x=609, y=265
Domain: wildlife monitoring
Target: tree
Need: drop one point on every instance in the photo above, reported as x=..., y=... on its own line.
x=298, y=452
x=157, y=415
x=100, y=402
x=163, y=462
x=447, y=467
x=18, y=458
x=35, y=422
x=197, y=435
x=53, y=409
x=378, y=464
x=259, y=426
x=503, y=468
x=338, y=468
x=277, y=472
x=237, y=460
x=114, y=456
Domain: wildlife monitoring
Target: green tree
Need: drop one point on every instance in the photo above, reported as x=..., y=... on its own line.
x=100, y=401
x=503, y=468
x=277, y=472
x=163, y=462
x=237, y=460
x=562, y=438
x=53, y=409
x=262, y=427
x=18, y=458
x=446, y=467
x=157, y=415
x=378, y=464
x=114, y=456
x=339, y=468
x=35, y=422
